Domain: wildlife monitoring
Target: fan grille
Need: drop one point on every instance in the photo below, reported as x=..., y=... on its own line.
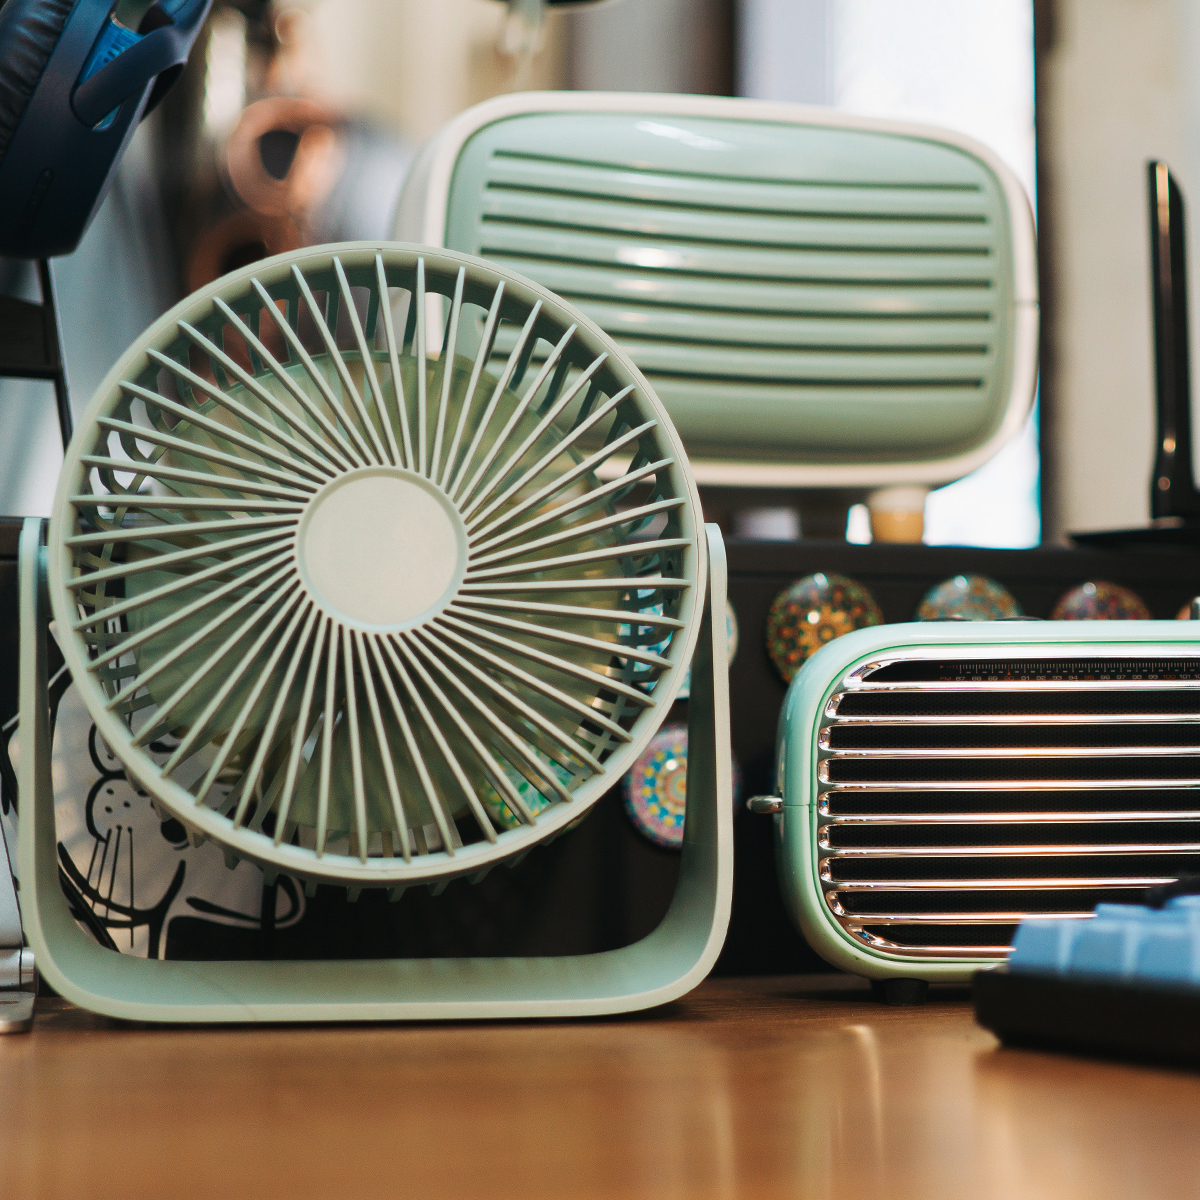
x=347, y=591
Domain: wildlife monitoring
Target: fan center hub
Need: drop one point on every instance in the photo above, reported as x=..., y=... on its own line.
x=381, y=548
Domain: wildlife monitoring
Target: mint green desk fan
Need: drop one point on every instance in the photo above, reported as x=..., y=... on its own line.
x=369, y=604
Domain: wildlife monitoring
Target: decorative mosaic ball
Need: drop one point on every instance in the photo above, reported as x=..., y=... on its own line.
x=969, y=597
x=534, y=799
x=655, y=789
x=731, y=648
x=1100, y=601
x=812, y=611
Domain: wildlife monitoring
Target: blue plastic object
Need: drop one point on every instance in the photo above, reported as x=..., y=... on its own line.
x=1121, y=941
x=1123, y=983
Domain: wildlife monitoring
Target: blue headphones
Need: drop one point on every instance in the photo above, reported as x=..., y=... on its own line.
x=73, y=85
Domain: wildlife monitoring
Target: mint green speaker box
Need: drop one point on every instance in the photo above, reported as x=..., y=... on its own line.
x=938, y=783
x=819, y=300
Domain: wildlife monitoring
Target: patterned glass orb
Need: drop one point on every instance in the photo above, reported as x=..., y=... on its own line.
x=812, y=611
x=1100, y=601
x=969, y=598
x=655, y=789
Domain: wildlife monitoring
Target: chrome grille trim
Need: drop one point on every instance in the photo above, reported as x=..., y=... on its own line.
x=939, y=845
x=1010, y=785
x=1122, y=751
x=1024, y=719
x=983, y=953
x=1076, y=883
x=1012, y=818
x=975, y=918
x=1104, y=683
x=1023, y=850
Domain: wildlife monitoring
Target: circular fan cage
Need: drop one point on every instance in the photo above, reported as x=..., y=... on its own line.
x=376, y=564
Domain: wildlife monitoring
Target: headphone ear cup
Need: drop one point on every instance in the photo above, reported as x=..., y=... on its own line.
x=29, y=31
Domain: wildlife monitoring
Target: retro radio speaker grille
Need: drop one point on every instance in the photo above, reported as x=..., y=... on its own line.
x=955, y=789
x=818, y=299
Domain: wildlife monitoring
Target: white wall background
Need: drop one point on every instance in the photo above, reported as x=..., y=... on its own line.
x=414, y=64
x=965, y=66
x=1118, y=93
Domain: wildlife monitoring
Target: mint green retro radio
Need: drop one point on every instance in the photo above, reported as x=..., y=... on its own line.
x=938, y=783
x=821, y=301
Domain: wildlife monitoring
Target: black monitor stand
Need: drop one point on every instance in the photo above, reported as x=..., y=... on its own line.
x=1174, y=500
x=31, y=344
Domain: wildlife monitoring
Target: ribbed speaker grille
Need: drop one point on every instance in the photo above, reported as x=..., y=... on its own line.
x=957, y=797
x=856, y=283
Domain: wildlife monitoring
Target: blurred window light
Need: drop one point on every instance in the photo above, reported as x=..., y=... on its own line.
x=964, y=66
x=225, y=71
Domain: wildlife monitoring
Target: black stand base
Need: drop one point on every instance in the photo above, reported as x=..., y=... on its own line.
x=900, y=991
x=1167, y=532
x=1109, y=1018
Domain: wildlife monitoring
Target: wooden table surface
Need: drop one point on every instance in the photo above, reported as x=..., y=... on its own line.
x=757, y=1088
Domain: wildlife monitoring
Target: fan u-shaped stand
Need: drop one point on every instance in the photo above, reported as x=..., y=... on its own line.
x=31, y=347
x=667, y=963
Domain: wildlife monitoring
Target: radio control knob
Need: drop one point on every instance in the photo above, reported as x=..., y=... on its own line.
x=765, y=805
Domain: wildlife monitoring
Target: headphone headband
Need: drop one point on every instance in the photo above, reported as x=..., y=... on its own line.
x=146, y=58
x=79, y=102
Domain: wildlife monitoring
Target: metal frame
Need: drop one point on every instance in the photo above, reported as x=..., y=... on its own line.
x=31, y=344
x=661, y=967
x=16, y=963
